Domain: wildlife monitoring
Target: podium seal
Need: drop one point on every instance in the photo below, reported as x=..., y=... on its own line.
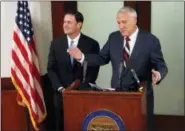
x=103, y=120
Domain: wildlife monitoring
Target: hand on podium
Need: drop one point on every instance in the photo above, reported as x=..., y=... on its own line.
x=142, y=86
x=75, y=85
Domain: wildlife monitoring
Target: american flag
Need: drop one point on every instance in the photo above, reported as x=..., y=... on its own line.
x=25, y=72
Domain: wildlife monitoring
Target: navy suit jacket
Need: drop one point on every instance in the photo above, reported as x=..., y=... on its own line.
x=60, y=70
x=146, y=55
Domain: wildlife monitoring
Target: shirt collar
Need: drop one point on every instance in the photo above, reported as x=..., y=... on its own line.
x=75, y=39
x=134, y=35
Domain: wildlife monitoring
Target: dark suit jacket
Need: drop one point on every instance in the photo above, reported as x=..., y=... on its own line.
x=60, y=70
x=145, y=56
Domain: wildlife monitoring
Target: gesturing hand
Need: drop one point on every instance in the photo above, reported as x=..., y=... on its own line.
x=75, y=53
x=155, y=76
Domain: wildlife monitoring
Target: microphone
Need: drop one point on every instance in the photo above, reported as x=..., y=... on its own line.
x=84, y=70
x=137, y=79
x=135, y=76
x=120, y=73
x=120, y=68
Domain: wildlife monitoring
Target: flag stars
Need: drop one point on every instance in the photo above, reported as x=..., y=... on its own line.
x=28, y=32
x=20, y=22
x=20, y=8
x=20, y=15
x=23, y=20
x=28, y=39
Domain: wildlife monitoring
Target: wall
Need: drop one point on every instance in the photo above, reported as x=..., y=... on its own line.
x=168, y=25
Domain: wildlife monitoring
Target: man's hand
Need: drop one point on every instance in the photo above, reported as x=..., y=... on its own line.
x=155, y=76
x=75, y=53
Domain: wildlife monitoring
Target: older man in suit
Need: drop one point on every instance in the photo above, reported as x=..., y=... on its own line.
x=137, y=49
x=63, y=69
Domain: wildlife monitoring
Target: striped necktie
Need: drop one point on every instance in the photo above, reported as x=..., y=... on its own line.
x=126, y=51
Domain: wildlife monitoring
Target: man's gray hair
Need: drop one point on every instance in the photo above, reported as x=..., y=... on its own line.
x=128, y=9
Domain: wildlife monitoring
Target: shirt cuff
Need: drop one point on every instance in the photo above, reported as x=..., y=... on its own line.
x=82, y=59
x=159, y=76
x=60, y=88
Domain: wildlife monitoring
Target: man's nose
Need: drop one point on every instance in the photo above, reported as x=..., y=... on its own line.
x=121, y=26
x=65, y=24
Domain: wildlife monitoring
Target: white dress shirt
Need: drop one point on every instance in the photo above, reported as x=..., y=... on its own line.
x=132, y=41
x=75, y=43
x=75, y=40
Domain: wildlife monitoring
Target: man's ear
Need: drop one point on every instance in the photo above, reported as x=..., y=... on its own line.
x=135, y=20
x=79, y=25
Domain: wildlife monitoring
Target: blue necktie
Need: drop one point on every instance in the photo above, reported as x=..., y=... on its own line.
x=71, y=46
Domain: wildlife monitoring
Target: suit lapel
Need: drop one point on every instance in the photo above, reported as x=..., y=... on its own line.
x=137, y=47
x=66, y=46
x=81, y=42
x=120, y=47
x=65, y=43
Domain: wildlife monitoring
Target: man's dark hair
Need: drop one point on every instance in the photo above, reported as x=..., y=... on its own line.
x=78, y=16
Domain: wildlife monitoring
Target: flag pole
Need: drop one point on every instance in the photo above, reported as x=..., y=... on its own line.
x=27, y=119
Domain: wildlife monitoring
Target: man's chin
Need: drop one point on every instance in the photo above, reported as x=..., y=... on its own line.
x=124, y=34
x=67, y=33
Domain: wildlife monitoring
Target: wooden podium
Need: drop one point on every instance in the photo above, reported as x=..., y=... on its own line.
x=129, y=106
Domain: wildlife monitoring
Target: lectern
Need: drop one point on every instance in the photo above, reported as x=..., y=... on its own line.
x=125, y=110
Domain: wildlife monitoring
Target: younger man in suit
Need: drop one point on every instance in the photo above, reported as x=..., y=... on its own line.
x=63, y=69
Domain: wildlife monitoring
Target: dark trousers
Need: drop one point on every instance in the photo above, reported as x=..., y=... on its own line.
x=150, y=111
x=59, y=114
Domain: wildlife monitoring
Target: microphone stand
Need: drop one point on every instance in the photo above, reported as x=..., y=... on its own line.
x=137, y=79
x=84, y=70
x=118, y=86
